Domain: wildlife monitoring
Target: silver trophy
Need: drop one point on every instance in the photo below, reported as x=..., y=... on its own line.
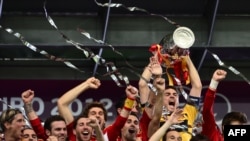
x=178, y=43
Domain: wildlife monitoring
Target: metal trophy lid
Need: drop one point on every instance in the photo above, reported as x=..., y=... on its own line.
x=183, y=37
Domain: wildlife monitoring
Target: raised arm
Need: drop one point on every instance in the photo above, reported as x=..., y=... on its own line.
x=153, y=69
x=209, y=124
x=143, y=87
x=194, y=78
x=154, y=124
x=27, y=97
x=218, y=76
x=114, y=130
x=66, y=99
x=131, y=93
x=190, y=109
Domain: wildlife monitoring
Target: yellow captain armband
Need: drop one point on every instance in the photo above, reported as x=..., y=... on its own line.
x=129, y=103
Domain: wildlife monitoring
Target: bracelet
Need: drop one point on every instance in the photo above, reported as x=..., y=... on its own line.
x=147, y=104
x=156, y=76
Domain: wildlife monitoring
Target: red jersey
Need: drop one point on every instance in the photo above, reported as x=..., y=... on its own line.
x=209, y=126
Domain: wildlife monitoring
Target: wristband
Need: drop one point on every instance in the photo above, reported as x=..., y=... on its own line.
x=129, y=103
x=213, y=84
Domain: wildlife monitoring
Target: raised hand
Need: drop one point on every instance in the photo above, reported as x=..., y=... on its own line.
x=131, y=92
x=93, y=83
x=219, y=75
x=176, y=116
x=155, y=66
x=27, y=96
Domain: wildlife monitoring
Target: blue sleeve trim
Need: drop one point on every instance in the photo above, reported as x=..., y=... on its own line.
x=195, y=100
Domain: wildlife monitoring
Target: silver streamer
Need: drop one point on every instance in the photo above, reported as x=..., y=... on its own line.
x=117, y=5
x=182, y=91
x=115, y=74
x=86, y=34
x=231, y=68
x=42, y=52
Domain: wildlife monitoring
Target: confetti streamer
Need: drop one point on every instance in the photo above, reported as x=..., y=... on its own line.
x=117, y=5
x=42, y=52
x=115, y=74
x=181, y=90
x=231, y=68
x=87, y=52
x=86, y=34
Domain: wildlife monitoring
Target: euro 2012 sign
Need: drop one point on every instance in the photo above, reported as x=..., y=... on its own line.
x=236, y=132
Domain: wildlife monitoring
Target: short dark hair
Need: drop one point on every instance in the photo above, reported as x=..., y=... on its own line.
x=134, y=114
x=168, y=130
x=51, y=119
x=87, y=108
x=8, y=116
x=171, y=87
x=234, y=116
x=199, y=137
x=77, y=119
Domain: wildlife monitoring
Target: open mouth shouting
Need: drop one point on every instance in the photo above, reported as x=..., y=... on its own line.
x=171, y=105
x=85, y=132
x=132, y=130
